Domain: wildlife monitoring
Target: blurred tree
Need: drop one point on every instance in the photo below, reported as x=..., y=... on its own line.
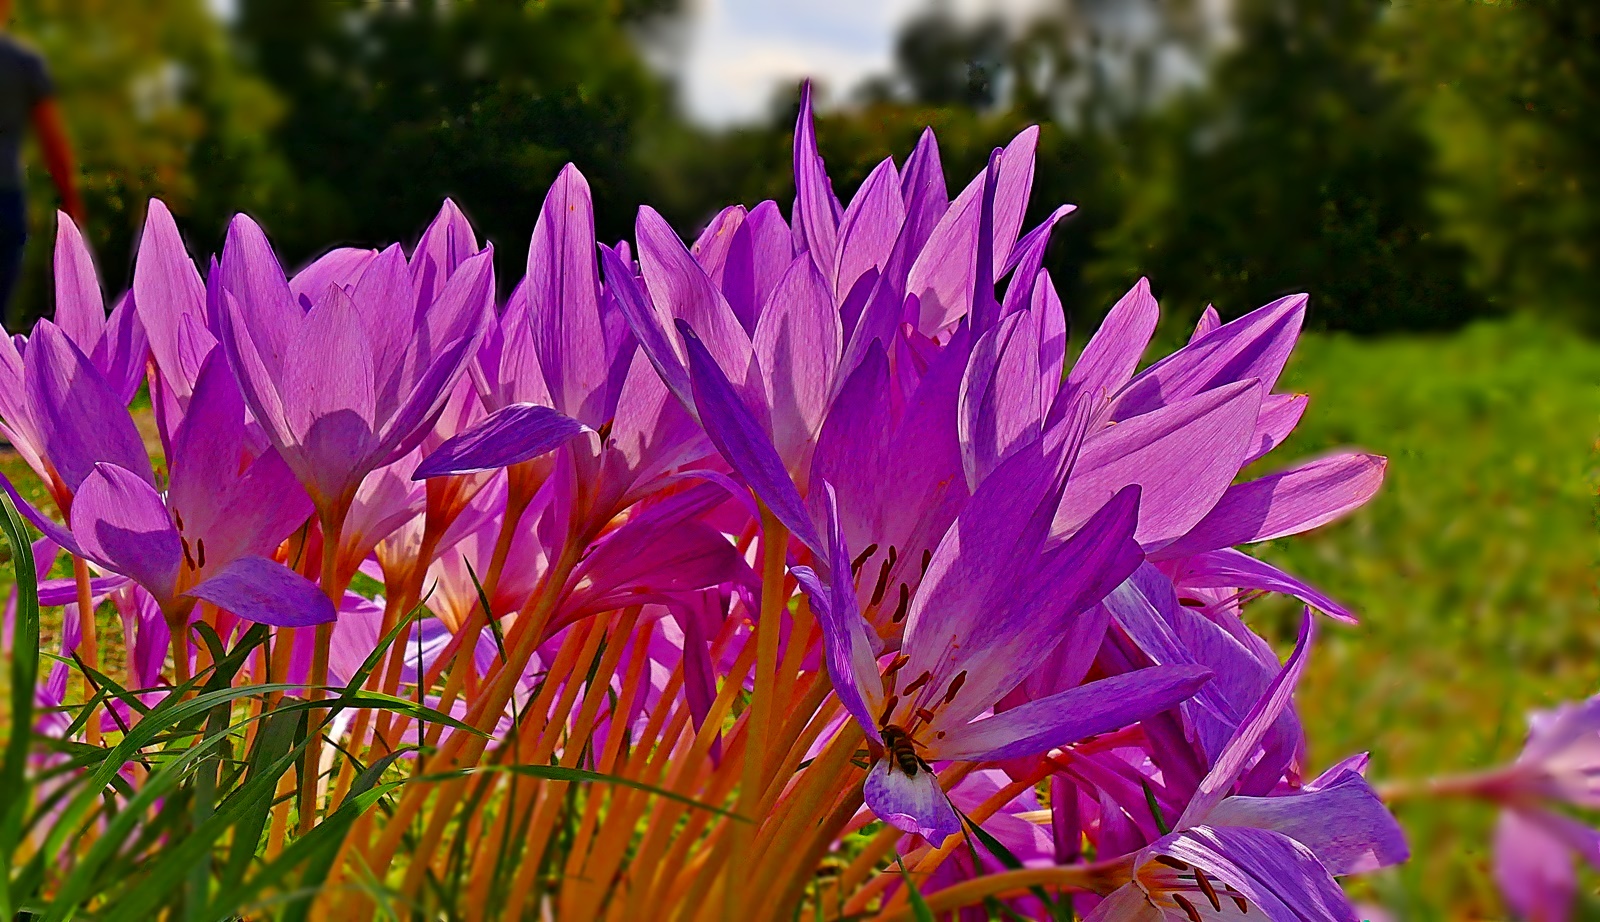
x=1511, y=94
x=156, y=106
x=395, y=106
x=1299, y=167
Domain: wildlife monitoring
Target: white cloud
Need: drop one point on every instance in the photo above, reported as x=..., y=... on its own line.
x=739, y=53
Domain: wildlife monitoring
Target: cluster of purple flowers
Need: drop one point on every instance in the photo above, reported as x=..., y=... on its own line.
x=1019, y=575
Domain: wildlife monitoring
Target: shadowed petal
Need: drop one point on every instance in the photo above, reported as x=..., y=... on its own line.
x=1239, y=752
x=207, y=448
x=341, y=267
x=758, y=256
x=120, y=521
x=507, y=436
x=1099, y=707
x=266, y=592
x=78, y=419
x=682, y=291
x=846, y=641
x=744, y=443
x=797, y=344
x=914, y=804
x=1533, y=868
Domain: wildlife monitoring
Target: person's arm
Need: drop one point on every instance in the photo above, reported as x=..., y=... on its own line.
x=58, y=155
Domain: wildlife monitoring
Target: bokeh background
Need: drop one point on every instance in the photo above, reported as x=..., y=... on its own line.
x=1428, y=170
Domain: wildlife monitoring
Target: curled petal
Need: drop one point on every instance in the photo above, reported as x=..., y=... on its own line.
x=508, y=436
x=266, y=592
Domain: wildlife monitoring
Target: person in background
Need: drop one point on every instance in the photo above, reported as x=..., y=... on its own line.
x=27, y=97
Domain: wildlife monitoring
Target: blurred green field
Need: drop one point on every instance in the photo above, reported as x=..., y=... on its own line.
x=1474, y=570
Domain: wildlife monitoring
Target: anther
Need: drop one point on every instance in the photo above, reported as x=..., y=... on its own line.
x=904, y=606
x=888, y=709
x=955, y=686
x=927, y=558
x=861, y=559
x=1206, y=888
x=200, y=552
x=895, y=666
x=883, y=579
x=1172, y=862
x=187, y=557
x=178, y=517
x=1241, y=902
x=921, y=681
x=1187, y=907
x=925, y=715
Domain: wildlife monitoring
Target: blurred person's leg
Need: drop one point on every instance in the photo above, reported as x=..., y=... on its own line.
x=13, y=235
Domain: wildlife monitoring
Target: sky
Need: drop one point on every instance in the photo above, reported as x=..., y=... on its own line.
x=738, y=53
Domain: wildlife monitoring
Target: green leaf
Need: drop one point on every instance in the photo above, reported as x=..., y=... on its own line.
x=919, y=906
x=24, y=675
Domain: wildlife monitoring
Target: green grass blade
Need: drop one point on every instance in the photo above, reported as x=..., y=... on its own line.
x=24, y=675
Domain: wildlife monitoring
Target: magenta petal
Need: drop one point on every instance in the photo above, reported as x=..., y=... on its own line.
x=1533, y=868
x=1067, y=717
x=745, y=445
x=1278, y=876
x=209, y=443
x=910, y=803
x=1113, y=352
x=1241, y=750
x=870, y=226
x=758, y=256
x=1285, y=503
x=266, y=592
x=1255, y=346
x=847, y=643
x=1344, y=824
x=507, y=436
x=341, y=267
x=1000, y=401
x=122, y=351
x=47, y=526
x=1231, y=569
x=1183, y=455
x=1280, y=413
x=268, y=313
x=331, y=419
x=816, y=210
x=564, y=299
x=121, y=522
x=79, y=420
x=682, y=291
x=797, y=343
x=80, y=307
x=166, y=286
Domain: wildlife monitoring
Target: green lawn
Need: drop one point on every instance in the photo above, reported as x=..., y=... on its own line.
x=1474, y=570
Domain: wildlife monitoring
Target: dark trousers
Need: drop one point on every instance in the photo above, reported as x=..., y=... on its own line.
x=13, y=234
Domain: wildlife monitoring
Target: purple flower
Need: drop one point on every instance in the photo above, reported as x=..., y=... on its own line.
x=206, y=537
x=998, y=594
x=1277, y=855
x=345, y=378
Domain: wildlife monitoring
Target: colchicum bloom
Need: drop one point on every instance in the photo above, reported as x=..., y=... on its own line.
x=801, y=526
